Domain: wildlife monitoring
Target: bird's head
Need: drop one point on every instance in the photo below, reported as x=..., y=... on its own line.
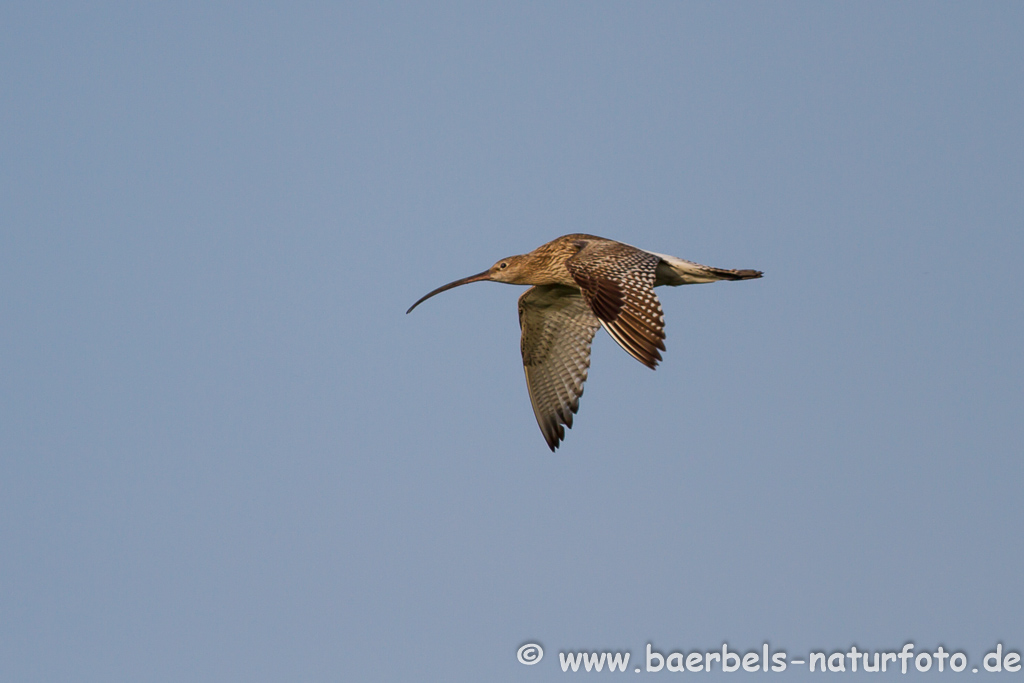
x=511, y=270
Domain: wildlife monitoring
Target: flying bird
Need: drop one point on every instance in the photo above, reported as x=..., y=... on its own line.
x=581, y=283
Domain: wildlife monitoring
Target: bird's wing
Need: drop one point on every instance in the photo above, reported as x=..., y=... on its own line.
x=617, y=281
x=558, y=327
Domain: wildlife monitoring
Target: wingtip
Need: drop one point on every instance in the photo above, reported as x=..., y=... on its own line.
x=556, y=435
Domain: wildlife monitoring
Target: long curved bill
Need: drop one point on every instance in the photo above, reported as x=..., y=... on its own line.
x=464, y=281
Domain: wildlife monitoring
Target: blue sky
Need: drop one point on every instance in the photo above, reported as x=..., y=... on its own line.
x=227, y=454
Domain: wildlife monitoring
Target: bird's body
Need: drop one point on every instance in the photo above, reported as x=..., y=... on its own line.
x=581, y=283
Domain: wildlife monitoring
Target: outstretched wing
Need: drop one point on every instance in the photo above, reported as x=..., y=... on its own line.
x=617, y=281
x=558, y=328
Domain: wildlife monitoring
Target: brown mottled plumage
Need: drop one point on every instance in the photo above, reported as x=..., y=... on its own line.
x=580, y=283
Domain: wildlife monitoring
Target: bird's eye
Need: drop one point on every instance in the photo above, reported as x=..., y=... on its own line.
x=503, y=265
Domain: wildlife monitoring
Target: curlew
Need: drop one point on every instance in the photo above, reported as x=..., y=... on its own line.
x=580, y=283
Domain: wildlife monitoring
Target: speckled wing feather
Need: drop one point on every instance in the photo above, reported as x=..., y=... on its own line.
x=558, y=328
x=617, y=281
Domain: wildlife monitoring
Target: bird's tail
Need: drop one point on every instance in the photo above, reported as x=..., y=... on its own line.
x=745, y=274
x=676, y=271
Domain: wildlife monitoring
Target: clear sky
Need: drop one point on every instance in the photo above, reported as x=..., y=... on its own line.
x=226, y=452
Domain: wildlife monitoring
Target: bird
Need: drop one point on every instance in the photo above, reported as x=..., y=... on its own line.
x=581, y=283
